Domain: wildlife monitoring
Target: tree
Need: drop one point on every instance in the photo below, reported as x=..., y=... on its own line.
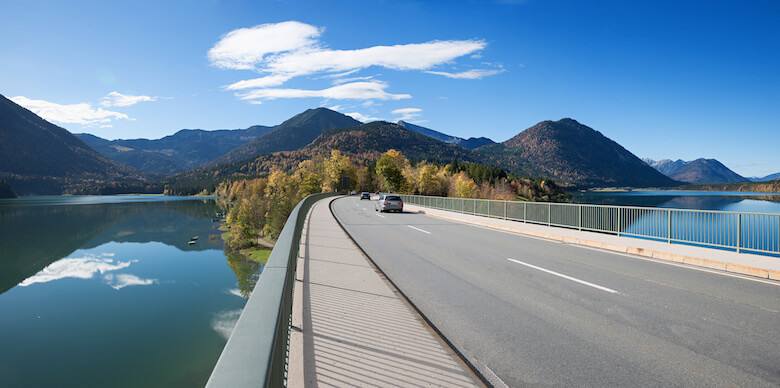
x=390, y=168
x=428, y=182
x=335, y=167
x=465, y=187
x=308, y=178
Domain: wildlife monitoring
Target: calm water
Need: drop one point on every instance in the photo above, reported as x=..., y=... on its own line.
x=755, y=233
x=701, y=200
x=106, y=291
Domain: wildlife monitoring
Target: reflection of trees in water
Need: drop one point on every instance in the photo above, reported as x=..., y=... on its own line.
x=247, y=271
x=32, y=237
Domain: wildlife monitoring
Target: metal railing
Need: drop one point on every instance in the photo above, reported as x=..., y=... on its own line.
x=754, y=232
x=256, y=352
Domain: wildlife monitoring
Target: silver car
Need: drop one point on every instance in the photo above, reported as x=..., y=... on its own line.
x=389, y=202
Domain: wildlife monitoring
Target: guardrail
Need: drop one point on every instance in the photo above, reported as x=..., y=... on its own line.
x=754, y=232
x=256, y=352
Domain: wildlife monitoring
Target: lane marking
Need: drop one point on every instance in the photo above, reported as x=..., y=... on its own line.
x=682, y=265
x=379, y=215
x=611, y=291
x=418, y=229
x=638, y=257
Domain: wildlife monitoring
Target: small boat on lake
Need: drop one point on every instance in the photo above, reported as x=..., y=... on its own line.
x=192, y=242
x=194, y=238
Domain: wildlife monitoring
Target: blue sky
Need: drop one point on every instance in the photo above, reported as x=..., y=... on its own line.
x=677, y=79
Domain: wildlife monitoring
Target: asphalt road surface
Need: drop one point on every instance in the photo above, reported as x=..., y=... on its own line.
x=533, y=312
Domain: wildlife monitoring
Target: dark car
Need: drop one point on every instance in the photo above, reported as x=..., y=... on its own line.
x=389, y=202
x=365, y=195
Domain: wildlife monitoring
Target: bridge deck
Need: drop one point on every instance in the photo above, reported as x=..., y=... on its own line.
x=352, y=328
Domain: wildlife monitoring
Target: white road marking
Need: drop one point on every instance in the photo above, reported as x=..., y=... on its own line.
x=418, y=229
x=379, y=215
x=682, y=265
x=665, y=262
x=565, y=276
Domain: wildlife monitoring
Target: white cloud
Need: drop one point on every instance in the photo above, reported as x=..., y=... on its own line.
x=286, y=50
x=123, y=280
x=361, y=117
x=82, y=268
x=356, y=90
x=117, y=99
x=69, y=114
x=469, y=74
x=407, y=113
x=262, y=82
x=340, y=81
x=245, y=48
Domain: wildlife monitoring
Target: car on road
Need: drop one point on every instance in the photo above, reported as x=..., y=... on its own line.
x=353, y=192
x=389, y=202
x=365, y=195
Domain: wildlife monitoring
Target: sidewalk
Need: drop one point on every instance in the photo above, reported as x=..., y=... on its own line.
x=766, y=267
x=351, y=328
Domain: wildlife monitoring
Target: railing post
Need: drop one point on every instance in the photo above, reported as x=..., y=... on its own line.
x=462, y=207
x=739, y=233
x=504, y=210
x=524, y=212
x=579, y=222
x=549, y=214
x=620, y=221
x=488, y=212
x=669, y=226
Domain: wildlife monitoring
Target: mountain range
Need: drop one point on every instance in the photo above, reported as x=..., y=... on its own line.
x=290, y=135
x=470, y=143
x=362, y=143
x=182, y=151
x=770, y=177
x=573, y=154
x=566, y=150
x=696, y=171
x=39, y=157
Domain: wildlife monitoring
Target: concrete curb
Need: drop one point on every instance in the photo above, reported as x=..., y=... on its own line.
x=659, y=255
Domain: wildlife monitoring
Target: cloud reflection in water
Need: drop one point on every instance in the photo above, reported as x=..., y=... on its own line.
x=82, y=268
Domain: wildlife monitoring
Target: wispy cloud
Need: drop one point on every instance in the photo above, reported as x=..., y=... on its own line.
x=361, y=117
x=117, y=99
x=283, y=51
x=407, y=113
x=356, y=90
x=262, y=82
x=469, y=74
x=82, y=113
x=339, y=81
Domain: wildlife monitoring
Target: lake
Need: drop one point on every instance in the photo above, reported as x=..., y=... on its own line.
x=700, y=200
x=107, y=291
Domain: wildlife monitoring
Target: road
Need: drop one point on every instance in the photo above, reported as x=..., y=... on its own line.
x=541, y=313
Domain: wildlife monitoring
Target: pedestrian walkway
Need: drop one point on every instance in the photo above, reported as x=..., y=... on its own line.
x=350, y=326
x=766, y=267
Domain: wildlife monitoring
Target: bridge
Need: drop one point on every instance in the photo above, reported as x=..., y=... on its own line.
x=461, y=292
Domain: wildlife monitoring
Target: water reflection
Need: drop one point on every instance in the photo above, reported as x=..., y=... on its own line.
x=122, y=280
x=81, y=268
x=247, y=272
x=223, y=322
x=36, y=232
x=167, y=325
